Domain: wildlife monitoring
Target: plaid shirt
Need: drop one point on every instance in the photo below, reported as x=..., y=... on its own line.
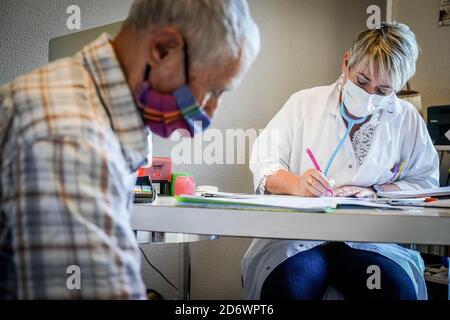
x=71, y=140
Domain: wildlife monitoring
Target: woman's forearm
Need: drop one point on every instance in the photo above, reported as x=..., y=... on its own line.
x=283, y=182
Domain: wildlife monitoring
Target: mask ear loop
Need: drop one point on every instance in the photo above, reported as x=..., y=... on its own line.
x=147, y=73
x=351, y=123
x=186, y=62
x=186, y=69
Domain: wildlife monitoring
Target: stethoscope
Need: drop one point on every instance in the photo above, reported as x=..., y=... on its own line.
x=351, y=123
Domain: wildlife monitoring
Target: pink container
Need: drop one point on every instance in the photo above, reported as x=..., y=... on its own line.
x=184, y=185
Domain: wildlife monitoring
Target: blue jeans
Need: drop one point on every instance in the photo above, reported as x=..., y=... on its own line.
x=307, y=275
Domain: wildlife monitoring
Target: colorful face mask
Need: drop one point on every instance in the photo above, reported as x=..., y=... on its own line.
x=166, y=113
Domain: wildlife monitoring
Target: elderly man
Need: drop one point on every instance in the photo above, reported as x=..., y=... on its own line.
x=74, y=133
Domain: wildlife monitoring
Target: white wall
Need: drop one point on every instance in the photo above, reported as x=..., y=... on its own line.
x=303, y=42
x=432, y=79
x=28, y=25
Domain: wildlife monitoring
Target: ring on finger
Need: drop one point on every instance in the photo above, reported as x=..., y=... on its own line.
x=310, y=181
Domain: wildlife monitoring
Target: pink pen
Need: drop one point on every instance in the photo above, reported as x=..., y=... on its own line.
x=316, y=165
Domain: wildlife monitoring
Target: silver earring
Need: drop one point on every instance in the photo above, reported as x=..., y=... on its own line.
x=341, y=82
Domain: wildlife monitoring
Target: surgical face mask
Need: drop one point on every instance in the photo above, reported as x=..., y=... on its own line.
x=166, y=113
x=359, y=103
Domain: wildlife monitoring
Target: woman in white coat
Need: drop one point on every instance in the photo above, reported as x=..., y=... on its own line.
x=365, y=139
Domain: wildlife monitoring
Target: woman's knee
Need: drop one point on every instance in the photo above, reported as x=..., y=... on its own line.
x=396, y=283
x=301, y=277
x=385, y=280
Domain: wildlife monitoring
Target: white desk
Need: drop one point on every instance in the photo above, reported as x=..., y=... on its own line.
x=417, y=225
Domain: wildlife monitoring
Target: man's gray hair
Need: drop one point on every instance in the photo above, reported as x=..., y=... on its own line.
x=216, y=30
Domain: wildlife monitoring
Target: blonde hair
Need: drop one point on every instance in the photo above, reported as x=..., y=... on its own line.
x=393, y=47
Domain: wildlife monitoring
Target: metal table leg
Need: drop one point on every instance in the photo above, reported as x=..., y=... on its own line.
x=184, y=254
x=184, y=273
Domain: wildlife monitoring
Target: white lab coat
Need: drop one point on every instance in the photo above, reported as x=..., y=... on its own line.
x=311, y=118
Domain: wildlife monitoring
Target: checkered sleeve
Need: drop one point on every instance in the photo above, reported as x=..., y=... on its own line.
x=70, y=223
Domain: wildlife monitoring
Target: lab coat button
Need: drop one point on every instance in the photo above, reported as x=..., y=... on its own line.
x=350, y=166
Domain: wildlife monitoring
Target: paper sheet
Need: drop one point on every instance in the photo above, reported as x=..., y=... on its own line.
x=288, y=202
x=416, y=193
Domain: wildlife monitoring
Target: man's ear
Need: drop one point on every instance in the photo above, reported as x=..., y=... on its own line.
x=163, y=44
x=345, y=62
x=166, y=59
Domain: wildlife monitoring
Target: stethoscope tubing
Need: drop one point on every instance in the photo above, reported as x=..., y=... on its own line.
x=351, y=123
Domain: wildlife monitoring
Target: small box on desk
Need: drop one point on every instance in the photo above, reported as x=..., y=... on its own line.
x=160, y=175
x=162, y=181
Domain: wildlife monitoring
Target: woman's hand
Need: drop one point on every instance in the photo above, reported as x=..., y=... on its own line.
x=357, y=192
x=314, y=184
